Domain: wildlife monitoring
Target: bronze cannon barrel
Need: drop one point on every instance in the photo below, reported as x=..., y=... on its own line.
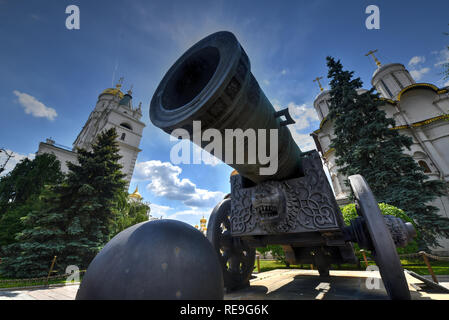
x=212, y=83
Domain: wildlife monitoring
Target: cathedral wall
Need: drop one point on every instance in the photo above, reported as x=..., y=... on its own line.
x=61, y=154
x=418, y=105
x=438, y=134
x=128, y=160
x=442, y=203
x=442, y=102
x=391, y=112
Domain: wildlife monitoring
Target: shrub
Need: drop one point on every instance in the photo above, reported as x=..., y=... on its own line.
x=276, y=251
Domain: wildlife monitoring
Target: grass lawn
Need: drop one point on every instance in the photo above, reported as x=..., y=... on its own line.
x=19, y=283
x=418, y=266
x=27, y=283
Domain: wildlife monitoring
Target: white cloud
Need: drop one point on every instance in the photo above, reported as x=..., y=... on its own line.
x=190, y=215
x=15, y=159
x=442, y=57
x=418, y=74
x=165, y=182
x=304, y=141
x=284, y=72
x=446, y=84
x=158, y=210
x=416, y=60
x=35, y=107
x=302, y=114
x=194, y=211
x=206, y=157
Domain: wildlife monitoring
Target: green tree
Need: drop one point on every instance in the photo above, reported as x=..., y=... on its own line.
x=365, y=144
x=276, y=251
x=42, y=237
x=129, y=213
x=90, y=198
x=20, y=190
x=77, y=217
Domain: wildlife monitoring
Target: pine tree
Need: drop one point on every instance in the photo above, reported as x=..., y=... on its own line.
x=90, y=199
x=42, y=238
x=75, y=219
x=365, y=144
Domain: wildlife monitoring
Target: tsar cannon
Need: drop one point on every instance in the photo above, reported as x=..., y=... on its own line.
x=294, y=206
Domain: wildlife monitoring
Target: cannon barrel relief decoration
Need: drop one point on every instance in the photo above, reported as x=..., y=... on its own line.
x=293, y=206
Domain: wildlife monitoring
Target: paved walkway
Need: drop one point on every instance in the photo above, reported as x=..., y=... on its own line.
x=341, y=285
x=285, y=284
x=53, y=293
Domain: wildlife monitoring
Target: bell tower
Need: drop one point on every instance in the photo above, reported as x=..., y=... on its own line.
x=115, y=109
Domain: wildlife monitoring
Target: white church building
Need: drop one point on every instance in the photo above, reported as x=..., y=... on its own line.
x=420, y=110
x=114, y=109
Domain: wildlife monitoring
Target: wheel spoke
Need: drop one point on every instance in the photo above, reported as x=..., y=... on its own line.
x=225, y=240
x=236, y=258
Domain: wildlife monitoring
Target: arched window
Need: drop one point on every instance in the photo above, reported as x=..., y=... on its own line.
x=126, y=125
x=424, y=166
x=123, y=137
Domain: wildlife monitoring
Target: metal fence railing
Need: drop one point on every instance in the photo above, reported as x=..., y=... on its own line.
x=422, y=254
x=38, y=281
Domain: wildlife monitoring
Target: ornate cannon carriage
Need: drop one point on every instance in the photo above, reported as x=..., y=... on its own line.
x=294, y=206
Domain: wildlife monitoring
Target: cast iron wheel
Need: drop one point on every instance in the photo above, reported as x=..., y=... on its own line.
x=383, y=247
x=236, y=258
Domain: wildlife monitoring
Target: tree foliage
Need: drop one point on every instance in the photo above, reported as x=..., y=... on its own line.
x=20, y=190
x=76, y=218
x=350, y=213
x=365, y=144
x=276, y=251
x=129, y=213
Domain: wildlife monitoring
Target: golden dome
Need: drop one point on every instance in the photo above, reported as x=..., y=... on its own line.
x=136, y=194
x=234, y=173
x=203, y=220
x=113, y=91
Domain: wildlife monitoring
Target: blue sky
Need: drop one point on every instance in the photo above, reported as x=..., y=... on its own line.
x=61, y=72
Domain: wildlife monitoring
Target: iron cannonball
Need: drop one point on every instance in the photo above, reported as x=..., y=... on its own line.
x=162, y=259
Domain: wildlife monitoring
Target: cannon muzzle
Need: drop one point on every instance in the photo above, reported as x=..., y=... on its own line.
x=212, y=83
